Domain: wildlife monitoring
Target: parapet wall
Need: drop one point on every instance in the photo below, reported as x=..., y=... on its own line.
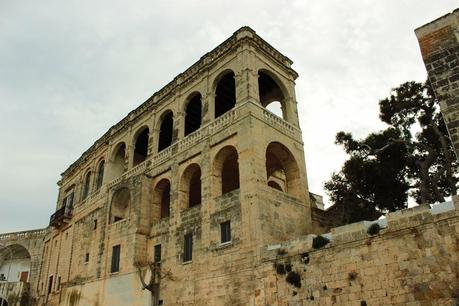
x=411, y=261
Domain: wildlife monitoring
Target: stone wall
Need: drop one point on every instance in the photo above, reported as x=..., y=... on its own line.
x=439, y=43
x=411, y=261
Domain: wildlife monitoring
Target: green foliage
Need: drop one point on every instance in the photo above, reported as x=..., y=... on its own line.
x=280, y=268
x=373, y=229
x=319, y=242
x=294, y=278
x=413, y=156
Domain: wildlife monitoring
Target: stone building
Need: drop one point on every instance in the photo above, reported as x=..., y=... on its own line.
x=200, y=197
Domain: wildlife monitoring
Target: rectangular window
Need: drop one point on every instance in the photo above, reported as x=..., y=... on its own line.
x=225, y=231
x=188, y=248
x=86, y=258
x=115, y=259
x=50, y=284
x=95, y=224
x=58, y=283
x=157, y=253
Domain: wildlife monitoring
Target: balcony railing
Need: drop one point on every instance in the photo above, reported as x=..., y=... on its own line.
x=61, y=216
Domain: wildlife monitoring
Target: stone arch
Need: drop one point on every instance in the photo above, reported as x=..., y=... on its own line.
x=117, y=162
x=100, y=174
x=86, y=184
x=190, y=187
x=161, y=199
x=225, y=92
x=141, y=142
x=272, y=93
x=121, y=202
x=166, y=130
x=193, y=113
x=282, y=170
x=15, y=263
x=226, y=171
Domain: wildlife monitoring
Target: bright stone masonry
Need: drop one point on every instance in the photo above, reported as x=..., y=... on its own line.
x=202, y=191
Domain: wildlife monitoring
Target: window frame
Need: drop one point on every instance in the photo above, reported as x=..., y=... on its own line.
x=188, y=248
x=225, y=232
x=115, y=261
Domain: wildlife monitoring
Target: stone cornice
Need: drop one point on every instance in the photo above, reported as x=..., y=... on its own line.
x=241, y=36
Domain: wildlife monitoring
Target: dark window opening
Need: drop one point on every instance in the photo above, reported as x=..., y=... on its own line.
x=141, y=147
x=117, y=165
x=161, y=200
x=165, y=132
x=195, y=189
x=193, y=115
x=120, y=205
x=271, y=95
x=157, y=253
x=100, y=174
x=188, y=247
x=115, y=266
x=230, y=173
x=95, y=224
x=282, y=170
x=166, y=201
x=50, y=284
x=86, y=187
x=58, y=287
x=86, y=258
x=4, y=302
x=225, y=231
x=275, y=185
x=225, y=94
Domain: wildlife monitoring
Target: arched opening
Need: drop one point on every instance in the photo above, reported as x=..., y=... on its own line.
x=165, y=131
x=226, y=170
x=225, y=94
x=271, y=95
x=100, y=174
x=117, y=162
x=193, y=114
x=162, y=200
x=14, y=264
x=275, y=185
x=86, y=185
x=120, y=205
x=141, y=147
x=191, y=186
x=282, y=170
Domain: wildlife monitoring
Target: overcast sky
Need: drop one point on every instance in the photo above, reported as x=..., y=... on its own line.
x=71, y=69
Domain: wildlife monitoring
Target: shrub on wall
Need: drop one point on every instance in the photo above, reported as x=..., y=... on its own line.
x=373, y=229
x=294, y=278
x=319, y=242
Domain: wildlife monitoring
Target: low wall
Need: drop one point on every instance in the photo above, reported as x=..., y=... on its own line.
x=413, y=260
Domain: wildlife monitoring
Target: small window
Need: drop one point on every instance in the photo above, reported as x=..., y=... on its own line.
x=157, y=253
x=95, y=224
x=188, y=248
x=160, y=302
x=50, y=284
x=86, y=258
x=2, y=277
x=58, y=286
x=225, y=230
x=115, y=267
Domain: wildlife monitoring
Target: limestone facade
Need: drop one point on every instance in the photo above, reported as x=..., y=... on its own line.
x=203, y=191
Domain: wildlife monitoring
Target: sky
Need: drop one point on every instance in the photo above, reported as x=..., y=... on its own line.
x=71, y=69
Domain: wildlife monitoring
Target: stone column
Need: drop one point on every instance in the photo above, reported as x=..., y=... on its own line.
x=439, y=43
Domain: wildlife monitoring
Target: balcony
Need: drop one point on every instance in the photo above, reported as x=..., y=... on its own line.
x=61, y=216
